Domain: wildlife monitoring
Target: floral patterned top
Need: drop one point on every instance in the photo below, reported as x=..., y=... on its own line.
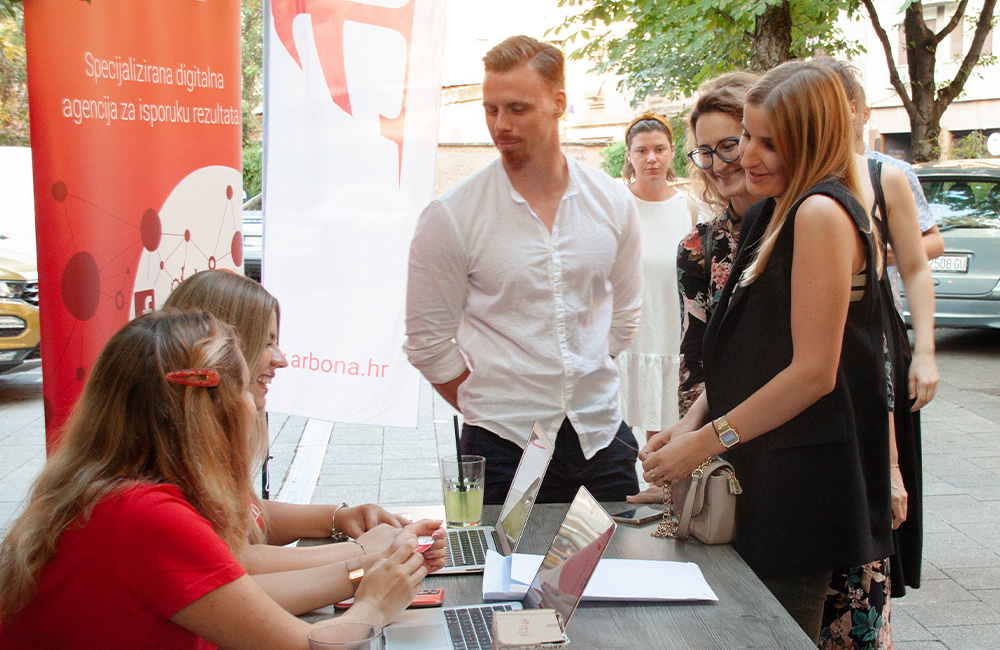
x=700, y=286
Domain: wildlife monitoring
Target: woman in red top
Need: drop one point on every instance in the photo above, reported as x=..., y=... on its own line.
x=298, y=578
x=129, y=535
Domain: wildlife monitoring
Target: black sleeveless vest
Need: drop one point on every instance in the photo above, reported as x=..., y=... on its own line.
x=816, y=490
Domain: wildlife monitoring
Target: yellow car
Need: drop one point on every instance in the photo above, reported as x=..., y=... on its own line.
x=19, y=329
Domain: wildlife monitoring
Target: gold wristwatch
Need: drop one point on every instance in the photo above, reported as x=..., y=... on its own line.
x=355, y=572
x=727, y=435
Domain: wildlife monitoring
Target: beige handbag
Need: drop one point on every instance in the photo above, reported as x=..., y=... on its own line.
x=709, y=498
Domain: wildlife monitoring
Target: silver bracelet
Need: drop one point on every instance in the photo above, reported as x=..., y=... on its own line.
x=337, y=534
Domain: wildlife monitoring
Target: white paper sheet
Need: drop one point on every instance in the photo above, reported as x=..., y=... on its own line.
x=507, y=578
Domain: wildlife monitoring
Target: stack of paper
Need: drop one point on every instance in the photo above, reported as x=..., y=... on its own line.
x=507, y=578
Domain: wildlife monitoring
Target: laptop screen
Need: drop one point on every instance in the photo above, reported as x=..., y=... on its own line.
x=572, y=557
x=525, y=485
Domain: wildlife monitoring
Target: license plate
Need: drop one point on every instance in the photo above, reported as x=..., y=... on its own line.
x=950, y=264
x=9, y=355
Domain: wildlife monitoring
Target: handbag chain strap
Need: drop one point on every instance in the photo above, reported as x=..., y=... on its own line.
x=672, y=512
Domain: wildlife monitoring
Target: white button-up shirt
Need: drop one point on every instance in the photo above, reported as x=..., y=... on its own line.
x=535, y=316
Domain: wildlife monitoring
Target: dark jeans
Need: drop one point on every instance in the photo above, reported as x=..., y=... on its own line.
x=804, y=597
x=610, y=475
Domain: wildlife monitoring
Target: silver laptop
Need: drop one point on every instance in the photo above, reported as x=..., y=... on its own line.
x=467, y=546
x=559, y=584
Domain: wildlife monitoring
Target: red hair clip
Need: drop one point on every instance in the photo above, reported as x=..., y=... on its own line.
x=206, y=377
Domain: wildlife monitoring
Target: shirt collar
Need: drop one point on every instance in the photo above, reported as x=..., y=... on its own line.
x=572, y=187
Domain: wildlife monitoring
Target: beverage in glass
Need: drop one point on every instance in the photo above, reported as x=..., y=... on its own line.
x=462, y=482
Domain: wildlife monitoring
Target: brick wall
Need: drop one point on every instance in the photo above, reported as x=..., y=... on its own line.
x=456, y=161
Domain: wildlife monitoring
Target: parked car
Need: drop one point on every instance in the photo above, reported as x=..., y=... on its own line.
x=964, y=196
x=253, y=239
x=19, y=329
x=19, y=256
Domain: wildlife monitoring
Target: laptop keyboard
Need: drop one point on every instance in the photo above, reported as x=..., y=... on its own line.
x=466, y=547
x=471, y=628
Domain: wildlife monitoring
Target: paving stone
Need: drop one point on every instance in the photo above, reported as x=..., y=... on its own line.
x=930, y=572
x=905, y=627
x=934, y=524
x=989, y=596
x=956, y=551
x=344, y=474
x=969, y=637
x=933, y=616
x=936, y=487
x=960, y=509
x=337, y=454
x=411, y=491
x=356, y=435
x=936, y=591
x=415, y=468
x=976, y=579
x=352, y=494
x=404, y=451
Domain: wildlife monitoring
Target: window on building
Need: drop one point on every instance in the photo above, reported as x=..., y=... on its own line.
x=956, y=39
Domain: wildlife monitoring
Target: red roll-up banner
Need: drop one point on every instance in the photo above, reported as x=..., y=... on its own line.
x=135, y=137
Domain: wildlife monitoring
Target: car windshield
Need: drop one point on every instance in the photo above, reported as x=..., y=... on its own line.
x=963, y=202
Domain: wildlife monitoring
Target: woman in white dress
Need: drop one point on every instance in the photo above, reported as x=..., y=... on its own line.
x=649, y=367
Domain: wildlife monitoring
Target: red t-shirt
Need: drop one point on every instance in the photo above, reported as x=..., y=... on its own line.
x=143, y=556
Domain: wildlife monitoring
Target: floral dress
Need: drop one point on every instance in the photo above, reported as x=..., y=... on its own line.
x=704, y=259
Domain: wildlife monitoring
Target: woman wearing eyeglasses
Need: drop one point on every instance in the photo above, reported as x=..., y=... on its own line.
x=706, y=254
x=649, y=367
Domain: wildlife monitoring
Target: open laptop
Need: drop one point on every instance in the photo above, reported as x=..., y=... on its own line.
x=559, y=584
x=467, y=546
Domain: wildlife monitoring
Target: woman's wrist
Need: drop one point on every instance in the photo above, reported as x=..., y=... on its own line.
x=710, y=439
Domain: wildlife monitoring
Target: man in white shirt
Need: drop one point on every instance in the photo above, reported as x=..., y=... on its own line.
x=524, y=283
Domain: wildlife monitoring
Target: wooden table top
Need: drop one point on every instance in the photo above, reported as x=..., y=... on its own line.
x=746, y=616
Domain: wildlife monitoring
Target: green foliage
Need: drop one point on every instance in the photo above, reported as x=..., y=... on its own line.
x=13, y=77
x=614, y=159
x=679, y=124
x=671, y=46
x=971, y=146
x=253, y=67
x=253, y=168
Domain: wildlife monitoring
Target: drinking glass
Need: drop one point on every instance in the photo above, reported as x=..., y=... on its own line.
x=346, y=636
x=463, y=492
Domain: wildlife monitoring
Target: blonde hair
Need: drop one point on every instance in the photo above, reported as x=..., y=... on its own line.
x=547, y=60
x=725, y=94
x=246, y=306
x=132, y=425
x=235, y=299
x=648, y=122
x=812, y=133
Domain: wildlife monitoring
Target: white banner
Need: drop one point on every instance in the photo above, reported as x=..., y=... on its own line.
x=352, y=102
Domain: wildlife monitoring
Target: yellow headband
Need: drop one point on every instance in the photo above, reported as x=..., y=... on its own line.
x=656, y=117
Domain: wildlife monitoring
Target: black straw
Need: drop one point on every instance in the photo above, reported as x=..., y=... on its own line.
x=458, y=448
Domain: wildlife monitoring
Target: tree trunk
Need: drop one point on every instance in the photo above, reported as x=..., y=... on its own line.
x=921, y=50
x=772, y=39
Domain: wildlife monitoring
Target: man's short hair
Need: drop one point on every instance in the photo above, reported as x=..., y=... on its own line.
x=545, y=59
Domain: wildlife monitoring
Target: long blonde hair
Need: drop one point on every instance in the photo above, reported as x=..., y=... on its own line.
x=132, y=425
x=812, y=132
x=235, y=299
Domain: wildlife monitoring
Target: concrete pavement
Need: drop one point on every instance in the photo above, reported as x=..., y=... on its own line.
x=957, y=607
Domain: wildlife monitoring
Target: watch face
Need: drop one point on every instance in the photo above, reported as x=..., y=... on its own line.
x=728, y=438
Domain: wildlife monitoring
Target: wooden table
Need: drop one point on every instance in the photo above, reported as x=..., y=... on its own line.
x=746, y=616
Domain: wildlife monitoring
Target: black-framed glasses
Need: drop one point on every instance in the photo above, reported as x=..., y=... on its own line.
x=728, y=150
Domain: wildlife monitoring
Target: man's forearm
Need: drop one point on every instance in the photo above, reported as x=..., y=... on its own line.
x=449, y=389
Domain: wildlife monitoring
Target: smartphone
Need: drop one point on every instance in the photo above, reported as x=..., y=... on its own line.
x=639, y=515
x=425, y=598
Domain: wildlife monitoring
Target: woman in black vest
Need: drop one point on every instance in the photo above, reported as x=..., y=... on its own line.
x=794, y=360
